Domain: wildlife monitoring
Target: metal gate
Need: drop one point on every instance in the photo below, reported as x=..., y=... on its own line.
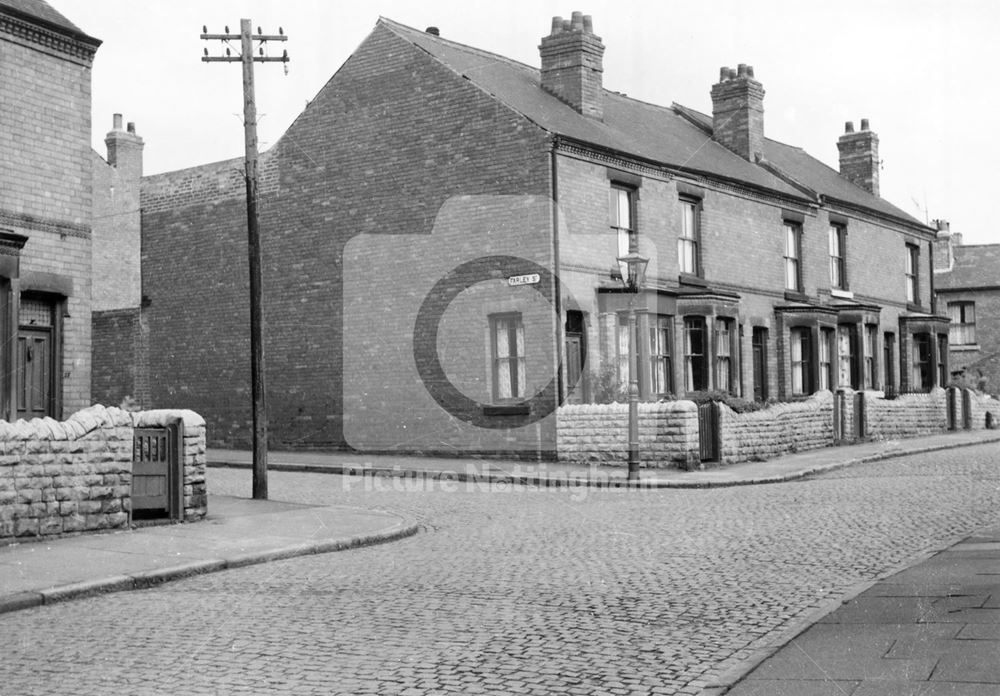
x=157, y=472
x=708, y=431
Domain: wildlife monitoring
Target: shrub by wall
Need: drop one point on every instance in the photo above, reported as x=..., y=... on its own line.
x=76, y=475
x=598, y=433
x=779, y=429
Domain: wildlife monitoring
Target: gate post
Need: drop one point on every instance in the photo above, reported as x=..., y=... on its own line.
x=966, y=409
x=860, y=417
x=952, y=398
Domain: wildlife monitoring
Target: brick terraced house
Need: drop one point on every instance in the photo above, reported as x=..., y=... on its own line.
x=440, y=232
x=967, y=282
x=45, y=212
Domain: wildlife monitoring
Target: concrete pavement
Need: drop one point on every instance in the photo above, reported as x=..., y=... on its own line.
x=237, y=532
x=786, y=468
x=932, y=629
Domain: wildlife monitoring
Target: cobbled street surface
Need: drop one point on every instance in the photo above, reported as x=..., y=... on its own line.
x=508, y=590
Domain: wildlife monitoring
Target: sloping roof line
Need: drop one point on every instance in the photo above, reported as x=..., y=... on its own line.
x=676, y=137
x=977, y=266
x=42, y=13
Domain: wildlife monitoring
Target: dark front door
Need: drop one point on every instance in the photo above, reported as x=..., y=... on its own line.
x=575, y=351
x=34, y=373
x=760, y=364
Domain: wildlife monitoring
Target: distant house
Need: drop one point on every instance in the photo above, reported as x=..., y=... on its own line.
x=45, y=212
x=440, y=233
x=967, y=282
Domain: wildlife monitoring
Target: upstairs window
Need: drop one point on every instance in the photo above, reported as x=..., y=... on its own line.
x=793, y=257
x=912, y=274
x=962, y=331
x=690, y=237
x=623, y=218
x=507, y=332
x=838, y=257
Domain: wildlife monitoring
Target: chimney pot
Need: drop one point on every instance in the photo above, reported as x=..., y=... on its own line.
x=864, y=124
x=577, y=21
x=750, y=71
x=588, y=24
x=433, y=31
x=741, y=70
x=567, y=25
x=117, y=121
x=732, y=74
x=849, y=127
x=557, y=24
x=131, y=127
x=943, y=225
x=723, y=74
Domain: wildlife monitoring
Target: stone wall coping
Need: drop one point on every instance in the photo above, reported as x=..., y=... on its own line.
x=679, y=406
x=92, y=418
x=159, y=417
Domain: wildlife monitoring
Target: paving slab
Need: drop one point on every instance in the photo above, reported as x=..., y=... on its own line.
x=237, y=532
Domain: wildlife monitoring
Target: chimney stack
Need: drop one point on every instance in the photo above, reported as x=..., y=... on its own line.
x=859, y=161
x=738, y=112
x=572, y=64
x=124, y=147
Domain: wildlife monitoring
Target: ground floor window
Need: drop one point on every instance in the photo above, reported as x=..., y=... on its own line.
x=942, y=359
x=660, y=367
x=871, y=345
x=724, y=355
x=922, y=375
x=695, y=358
x=507, y=331
x=847, y=355
x=801, y=344
x=825, y=361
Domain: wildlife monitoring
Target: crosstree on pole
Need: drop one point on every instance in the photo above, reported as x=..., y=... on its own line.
x=258, y=393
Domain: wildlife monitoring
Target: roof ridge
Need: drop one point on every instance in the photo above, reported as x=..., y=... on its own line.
x=457, y=44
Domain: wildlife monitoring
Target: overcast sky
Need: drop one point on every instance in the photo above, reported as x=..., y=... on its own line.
x=919, y=70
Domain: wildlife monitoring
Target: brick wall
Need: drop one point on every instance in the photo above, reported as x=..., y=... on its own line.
x=780, y=429
x=598, y=434
x=378, y=152
x=45, y=186
x=981, y=360
x=120, y=357
x=76, y=475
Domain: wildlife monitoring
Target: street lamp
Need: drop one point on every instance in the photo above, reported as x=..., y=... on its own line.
x=633, y=270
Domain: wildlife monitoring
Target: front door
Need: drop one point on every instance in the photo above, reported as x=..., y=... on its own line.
x=760, y=364
x=34, y=372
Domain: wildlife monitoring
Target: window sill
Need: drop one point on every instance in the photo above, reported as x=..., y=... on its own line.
x=796, y=296
x=511, y=410
x=845, y=294
x=691, y=279
x=964, y=347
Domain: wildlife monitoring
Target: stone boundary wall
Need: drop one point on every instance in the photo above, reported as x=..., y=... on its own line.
x=908, y=415
x=779, y=429
x=981, y=405
x=598, y=434
x=76, y=475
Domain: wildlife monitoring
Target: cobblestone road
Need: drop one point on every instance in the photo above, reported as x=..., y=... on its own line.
x=509, y=590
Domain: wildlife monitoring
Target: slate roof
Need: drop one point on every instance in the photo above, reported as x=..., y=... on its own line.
x=46, y=14
x=677, y=137
x=976, y=266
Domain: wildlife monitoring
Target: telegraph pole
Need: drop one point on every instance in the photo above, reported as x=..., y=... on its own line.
x=247, y=58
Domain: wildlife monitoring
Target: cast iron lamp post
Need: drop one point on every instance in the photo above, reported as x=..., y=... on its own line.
x=633, y=270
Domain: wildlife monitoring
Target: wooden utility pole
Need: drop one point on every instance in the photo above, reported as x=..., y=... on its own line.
x=258, y=392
